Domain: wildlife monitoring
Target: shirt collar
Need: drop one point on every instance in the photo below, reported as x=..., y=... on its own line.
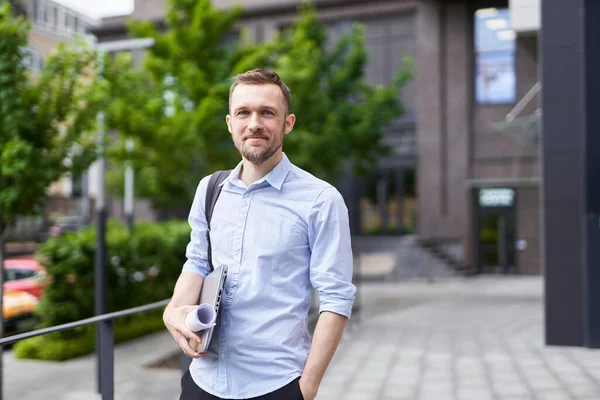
x=275, y=177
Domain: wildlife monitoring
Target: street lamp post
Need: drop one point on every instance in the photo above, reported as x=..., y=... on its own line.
x=117, y=46
x=104, y=329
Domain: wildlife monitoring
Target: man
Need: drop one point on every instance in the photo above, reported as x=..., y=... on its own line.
x=280, y=231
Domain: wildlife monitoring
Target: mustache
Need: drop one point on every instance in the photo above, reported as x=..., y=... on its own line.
x=255, y=135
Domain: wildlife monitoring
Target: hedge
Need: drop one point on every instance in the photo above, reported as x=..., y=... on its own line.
x=142, y=267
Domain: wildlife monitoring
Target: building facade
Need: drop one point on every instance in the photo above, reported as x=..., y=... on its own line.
x=471, y=125
x=479, y=166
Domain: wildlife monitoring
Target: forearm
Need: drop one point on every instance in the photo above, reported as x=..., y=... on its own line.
x=187, y=290
x=326, y=339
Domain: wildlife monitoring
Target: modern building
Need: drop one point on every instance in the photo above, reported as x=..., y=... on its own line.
x=471, y=125
x=478, y=129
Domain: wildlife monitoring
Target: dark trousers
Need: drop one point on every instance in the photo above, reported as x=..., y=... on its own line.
x=191, y=391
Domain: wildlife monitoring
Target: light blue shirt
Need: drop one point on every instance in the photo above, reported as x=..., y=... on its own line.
x=284, y=235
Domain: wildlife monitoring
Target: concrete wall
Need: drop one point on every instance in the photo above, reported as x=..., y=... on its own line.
x=444, y=84
x=525, y=15
x=149, y=9
x=528, y=229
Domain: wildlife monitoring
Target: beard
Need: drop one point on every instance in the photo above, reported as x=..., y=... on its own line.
x=259, y=154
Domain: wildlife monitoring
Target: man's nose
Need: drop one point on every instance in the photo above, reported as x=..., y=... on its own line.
x=255, y=122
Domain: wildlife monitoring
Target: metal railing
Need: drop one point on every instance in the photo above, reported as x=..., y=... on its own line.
x=526, y=129
x=105, y=350
x=106, y=384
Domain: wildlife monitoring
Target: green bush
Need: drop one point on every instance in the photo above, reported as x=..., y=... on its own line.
x=142, y=267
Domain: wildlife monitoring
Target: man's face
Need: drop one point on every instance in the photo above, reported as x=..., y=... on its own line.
x=258, y=120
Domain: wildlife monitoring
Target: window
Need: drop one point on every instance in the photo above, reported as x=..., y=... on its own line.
x=34, y=10
x=33, y=59
x=77, y=186
x=495, y=81
x=46, y=13
x=24, y=274
x=16, y=274
x=40, y=11
x=10, y=275
x=71, y=22
x=388, y=40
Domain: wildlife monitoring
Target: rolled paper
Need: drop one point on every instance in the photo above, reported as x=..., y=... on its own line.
x=203, y=317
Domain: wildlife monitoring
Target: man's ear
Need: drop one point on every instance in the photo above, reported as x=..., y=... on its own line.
x=290, y=120
x=228, y=121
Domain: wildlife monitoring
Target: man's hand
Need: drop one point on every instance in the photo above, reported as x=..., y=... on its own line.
x=308, y=389
x=174, y=319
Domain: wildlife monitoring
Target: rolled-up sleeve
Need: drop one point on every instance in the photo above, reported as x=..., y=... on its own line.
x=197, y=248
x=331, y=253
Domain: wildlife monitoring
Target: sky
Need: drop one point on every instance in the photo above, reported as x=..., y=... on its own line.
x=100, y=8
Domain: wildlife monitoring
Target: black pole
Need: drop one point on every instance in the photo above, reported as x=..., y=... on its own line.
x=400, y=198
x=129, y=222
x=128, y=203
x=100, y=288
x=1, y=305
x=2, y=228
x=104, y=329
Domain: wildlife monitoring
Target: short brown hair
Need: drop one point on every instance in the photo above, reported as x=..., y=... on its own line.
x=260, y=76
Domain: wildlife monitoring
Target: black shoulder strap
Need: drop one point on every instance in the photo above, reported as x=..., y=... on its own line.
x=212, y=194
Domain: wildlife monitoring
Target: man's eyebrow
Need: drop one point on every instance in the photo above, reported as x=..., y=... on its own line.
x=263, y=106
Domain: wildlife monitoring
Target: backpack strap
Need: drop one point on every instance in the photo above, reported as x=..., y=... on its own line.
x=212, y=195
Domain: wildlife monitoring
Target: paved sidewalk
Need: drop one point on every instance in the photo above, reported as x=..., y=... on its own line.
x=474, y=339
x=456, y=339
x=76, y=379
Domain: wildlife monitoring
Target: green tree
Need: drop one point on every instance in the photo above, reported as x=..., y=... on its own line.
x=175, y=107
x=181, y=132
x=46, y=120
x=340, y=118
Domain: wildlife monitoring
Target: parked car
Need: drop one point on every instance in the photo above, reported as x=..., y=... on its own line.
x=25, y=275
x=18, y=311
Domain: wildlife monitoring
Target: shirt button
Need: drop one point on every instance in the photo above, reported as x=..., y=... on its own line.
x=224, y=323
x=222, y=355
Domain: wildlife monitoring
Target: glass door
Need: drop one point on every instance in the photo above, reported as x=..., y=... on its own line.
x=496, y=230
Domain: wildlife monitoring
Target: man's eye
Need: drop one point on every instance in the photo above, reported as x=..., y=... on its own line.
x=243, y=113
x=269, y=112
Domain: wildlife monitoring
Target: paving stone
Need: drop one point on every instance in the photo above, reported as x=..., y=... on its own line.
x=553, y=395
x=543, y=384
x=474, y=394
x=400, y=390
x=360, y=395
x=585, y=391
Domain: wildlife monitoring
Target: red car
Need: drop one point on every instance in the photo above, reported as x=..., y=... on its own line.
x=24, y=275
